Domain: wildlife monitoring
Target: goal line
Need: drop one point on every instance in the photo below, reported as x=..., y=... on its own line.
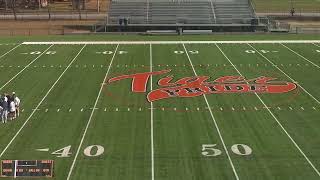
x=168, y=42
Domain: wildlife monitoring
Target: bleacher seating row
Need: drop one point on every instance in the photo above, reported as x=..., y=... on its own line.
x=181, y=12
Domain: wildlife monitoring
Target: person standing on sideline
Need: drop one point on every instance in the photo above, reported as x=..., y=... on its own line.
x=1, y=108
x=5, y=106
x=17, y=103
x=12, y=109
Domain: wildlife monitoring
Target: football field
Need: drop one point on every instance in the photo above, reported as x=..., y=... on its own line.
x=165, y=110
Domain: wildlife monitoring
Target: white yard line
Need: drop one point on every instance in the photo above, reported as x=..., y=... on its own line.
x=10, y=50
x=284, y=73
x=91, y=115
x=173, y=42
x=26, y=67
x=213, y=119
x=275, y=118
x=151, y=119
x=24, y=124
x=300, y=56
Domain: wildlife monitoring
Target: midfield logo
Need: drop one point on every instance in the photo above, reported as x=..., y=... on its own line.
x=198, y=85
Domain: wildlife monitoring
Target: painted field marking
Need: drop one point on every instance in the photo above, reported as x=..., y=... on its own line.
x=171, y=42
x=213, y=119
x=300, y=55
x=298, y=84
x=91, y=115
x=275, y=118
x=151, y=117
x=227, y=108
x=17, y=74
x=10, y=50
x=45, y=96
x=317, y=46
x=175, y=65
x=43, y=150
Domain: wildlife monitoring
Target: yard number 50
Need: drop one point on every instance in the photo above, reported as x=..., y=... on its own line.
x=211, y=150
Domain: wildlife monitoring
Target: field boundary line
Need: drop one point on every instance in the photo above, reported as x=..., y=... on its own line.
x=284, y=73
x=213, y=119
x=151, y=118
x=91, y=115
x=300, y=56
x=170, y=42
x=26, y=67
x=10, y=50
x=35, y=109
x=275, y=118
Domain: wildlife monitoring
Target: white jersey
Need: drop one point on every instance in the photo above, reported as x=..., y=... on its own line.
x=17, y=101
x=12, y=106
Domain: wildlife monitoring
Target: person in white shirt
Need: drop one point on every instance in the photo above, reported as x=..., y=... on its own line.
x=4, y=114
x=17, y=103
x=12, y=110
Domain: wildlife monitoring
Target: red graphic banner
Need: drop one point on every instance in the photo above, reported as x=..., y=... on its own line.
x=199, y=85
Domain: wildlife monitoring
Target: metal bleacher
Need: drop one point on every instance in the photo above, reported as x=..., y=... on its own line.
x=181, y=11
x=230, y=12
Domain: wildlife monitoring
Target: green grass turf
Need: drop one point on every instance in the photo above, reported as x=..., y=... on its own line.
x=285, y=6
x=229, y=37
x=122, y=122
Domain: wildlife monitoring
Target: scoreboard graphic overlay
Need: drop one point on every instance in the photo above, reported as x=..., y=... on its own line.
x=27, y=168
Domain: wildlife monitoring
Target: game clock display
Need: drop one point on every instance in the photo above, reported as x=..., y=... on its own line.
x=27, y=168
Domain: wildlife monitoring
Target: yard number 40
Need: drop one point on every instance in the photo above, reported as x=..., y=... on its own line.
x=90, y=151
x=211, y=150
